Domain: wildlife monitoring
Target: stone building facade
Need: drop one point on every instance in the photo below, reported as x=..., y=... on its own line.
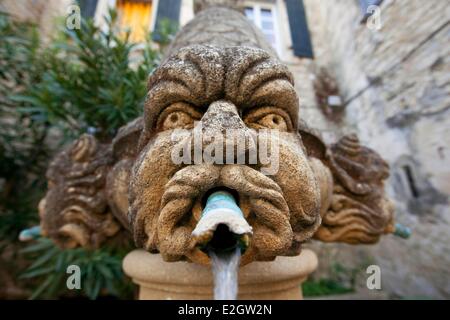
x=43, y=13
x=384, y=76
x=395, y=86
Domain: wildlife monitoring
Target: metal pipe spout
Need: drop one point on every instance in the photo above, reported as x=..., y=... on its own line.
x=222, y=226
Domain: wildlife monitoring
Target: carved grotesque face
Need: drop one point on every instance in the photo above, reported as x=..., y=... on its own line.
x=220, y=90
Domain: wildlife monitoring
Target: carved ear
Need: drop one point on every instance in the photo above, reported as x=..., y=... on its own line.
x=359, y=211
x=125, y=144
x=83, y=148
x=314, y=145
x=74, y=211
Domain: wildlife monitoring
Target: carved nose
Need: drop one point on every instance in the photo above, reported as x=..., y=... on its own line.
x=221, y=124
x=221, y=116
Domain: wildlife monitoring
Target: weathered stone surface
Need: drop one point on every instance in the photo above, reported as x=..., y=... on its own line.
x=75, y=210
x=359, y=212
x=200, y=5
x=403, y=115
x=42, y=13
x=220, y=76
x=221, y=27
x=227, y=81
x=275, y=280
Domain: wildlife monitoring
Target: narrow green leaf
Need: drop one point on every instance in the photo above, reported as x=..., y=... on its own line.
x=42, y=287
x=37, y=272
x=43, y=259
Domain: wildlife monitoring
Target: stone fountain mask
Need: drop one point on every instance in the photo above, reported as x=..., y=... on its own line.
x=235, y=98
x=216, y=91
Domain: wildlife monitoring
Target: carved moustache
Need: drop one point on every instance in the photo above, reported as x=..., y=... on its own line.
x=260, y=199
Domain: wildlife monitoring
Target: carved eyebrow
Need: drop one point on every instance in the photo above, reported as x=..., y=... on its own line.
x=186, y=71
x=260, y=75
x=277, y=92
x=169, y=84
x=260, y=80
x=163, y=94
x=194, y=75
x=261, y=72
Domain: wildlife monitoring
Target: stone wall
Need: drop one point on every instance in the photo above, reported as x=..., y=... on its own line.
x=42, y=13
x=396, y=85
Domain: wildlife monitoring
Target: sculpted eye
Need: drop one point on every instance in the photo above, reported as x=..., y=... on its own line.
x=268, y=118
x=178, y=115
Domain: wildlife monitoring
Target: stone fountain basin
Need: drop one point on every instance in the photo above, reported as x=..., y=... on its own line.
x=268, y=280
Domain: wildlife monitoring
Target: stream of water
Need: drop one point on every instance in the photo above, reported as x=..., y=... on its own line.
x=225, y=268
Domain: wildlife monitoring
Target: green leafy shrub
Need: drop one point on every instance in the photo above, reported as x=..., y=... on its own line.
x=22, y=153
x=340, y=280
x=101, y=270
x=324, y=287
x=165, y=31
x=95, y=80
x=88, y=80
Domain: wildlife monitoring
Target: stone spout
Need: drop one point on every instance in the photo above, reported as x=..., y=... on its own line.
x=222, y=226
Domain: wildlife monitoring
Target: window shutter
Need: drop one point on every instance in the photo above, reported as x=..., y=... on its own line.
x=167, y=9
x=87, y=8
x=365, y=4
x=301, y=40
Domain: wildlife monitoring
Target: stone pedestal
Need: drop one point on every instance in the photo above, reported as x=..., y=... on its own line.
x=278, y=279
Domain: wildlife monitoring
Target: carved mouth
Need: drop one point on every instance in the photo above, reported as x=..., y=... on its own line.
x=184, y=229
x=222, y=239
x=222, y=226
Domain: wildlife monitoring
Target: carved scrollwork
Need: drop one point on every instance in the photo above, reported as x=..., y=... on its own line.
x=359, y=212
x=74, y=211
x=218, y=75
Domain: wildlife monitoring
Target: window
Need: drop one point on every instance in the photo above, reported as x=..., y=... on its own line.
x=87, y=8
x=135, y=16
x=249, y=14
x=411, y=181
x=406, y=181
x=298, y=23
x=263, y=16
x=168, y=10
